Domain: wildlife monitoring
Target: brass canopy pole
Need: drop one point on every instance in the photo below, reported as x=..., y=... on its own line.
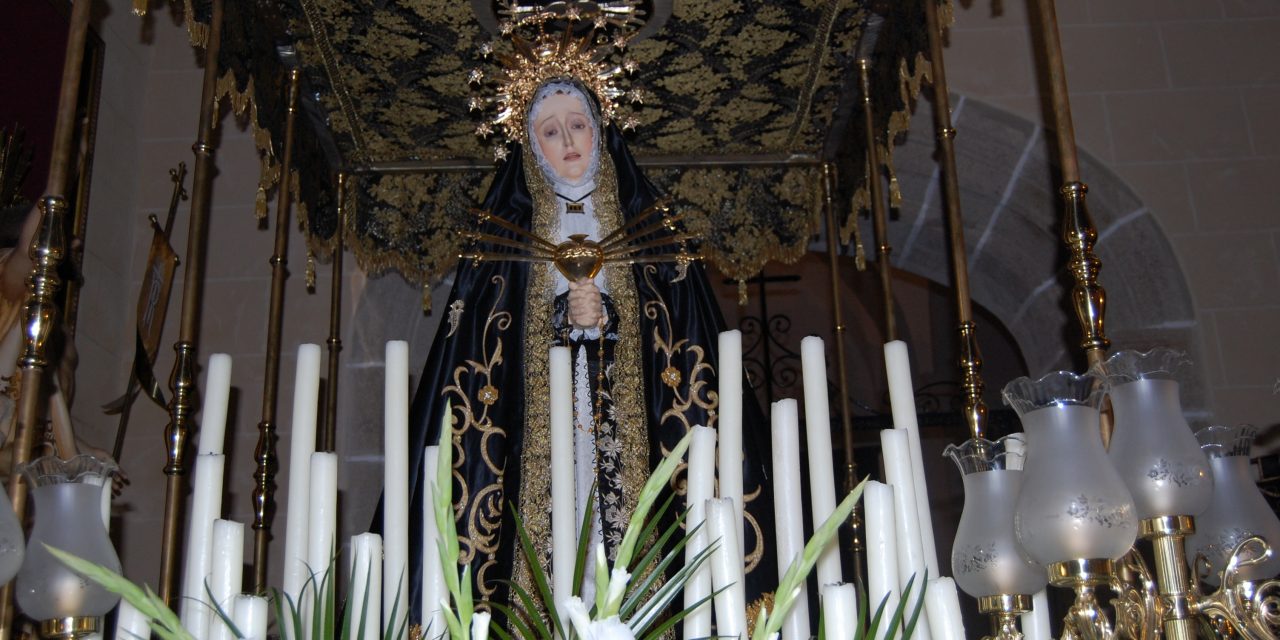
x=846, y=419
x=41, y=311
x=975, y=410
x=1088, y=298
x=330, y=440
x=265, y=452
x=878, y=214
x=183, y=380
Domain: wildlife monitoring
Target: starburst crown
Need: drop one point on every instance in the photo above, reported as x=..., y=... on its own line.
x=582, y=41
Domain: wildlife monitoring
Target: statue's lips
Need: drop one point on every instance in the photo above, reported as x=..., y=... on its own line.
x=570, y=157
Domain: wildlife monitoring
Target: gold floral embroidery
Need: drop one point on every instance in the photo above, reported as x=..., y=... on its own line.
x=479, y=509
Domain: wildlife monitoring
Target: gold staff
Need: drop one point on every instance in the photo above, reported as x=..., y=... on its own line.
x=183, y=380
x=330, y=441
x=877, y=193
x=46, y=253
x=846, y=419
x=1087, y=296
x=265, y=452
x=975, y=410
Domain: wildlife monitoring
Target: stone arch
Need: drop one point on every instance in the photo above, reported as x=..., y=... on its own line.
x=1008, y=192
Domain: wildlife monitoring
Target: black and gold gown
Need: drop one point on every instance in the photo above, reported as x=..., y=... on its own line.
x=490, y=360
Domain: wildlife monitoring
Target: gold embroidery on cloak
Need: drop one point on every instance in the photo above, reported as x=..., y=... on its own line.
x=480, y=514
x=690, y=389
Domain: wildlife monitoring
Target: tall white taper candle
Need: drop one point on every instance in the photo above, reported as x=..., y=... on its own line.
x=564, y=530
x=942, y=604
x=250, y=616
x=726, y=569
x=701, y=487
x=366, y=587
x=729, y=427
x=902, y=399
x=206, y=506
x=817, y=431
x=131, y=624
x=323, y=513
x=213, y=411
x=302, y=443
x=433, y=587
x=788, y=508
x=911, y=561
x=1035, y=623
x=882, y=548
x=395, y=496
x=839, y=610
x=228, y=573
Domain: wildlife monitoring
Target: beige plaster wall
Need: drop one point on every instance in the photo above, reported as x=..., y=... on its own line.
x=1180, y=99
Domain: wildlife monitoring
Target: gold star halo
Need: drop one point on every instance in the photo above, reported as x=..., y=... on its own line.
x=582, y=41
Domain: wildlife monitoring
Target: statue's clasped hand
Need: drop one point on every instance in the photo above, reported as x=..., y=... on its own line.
x=586, y=307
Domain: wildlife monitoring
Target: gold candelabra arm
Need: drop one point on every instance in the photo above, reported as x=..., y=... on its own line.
x=1137, y=604
x=1250, y=609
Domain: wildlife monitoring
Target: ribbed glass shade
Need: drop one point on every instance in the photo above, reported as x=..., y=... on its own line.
x=1073, y=504
x=986, y=558
x=68, y=517
x=1152, y=445
x=1237, y=510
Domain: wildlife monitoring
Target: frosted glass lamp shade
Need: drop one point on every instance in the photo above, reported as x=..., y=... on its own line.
x=68, y=516
x=1152, y=445
x=986, y=558
x=12, y=544
x=1237, y=510
x=1073, y=504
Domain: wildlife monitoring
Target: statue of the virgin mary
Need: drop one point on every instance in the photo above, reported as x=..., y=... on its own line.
x=643, y=339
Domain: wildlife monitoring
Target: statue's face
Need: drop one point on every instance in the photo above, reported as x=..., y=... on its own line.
x=565, y=135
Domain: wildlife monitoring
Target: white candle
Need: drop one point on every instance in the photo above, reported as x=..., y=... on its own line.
x=433, y=586
x=564, y=526
x=250, y=616
x=131, y=624
x=788, y=511
x=206, y=506
x=817, y=431
x=902, y=399
x=302, y=443
x=213, y=418
x=897, y=471
x=730, y=424
x=942, y=605
x=701, y=481
x=366, y=586
x=882, y=548
x=323, y=514
x=726, y=569
x=839, y=610
x=395, y=496
x=228, y=573
x=1035, y=623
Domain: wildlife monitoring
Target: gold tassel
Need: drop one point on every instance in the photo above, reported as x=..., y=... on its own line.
x=140, y=7
x=260, y=204
x=742, y=292
x=859, y=252
x=895, y=192
x=426, y=299
x=311, y=272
